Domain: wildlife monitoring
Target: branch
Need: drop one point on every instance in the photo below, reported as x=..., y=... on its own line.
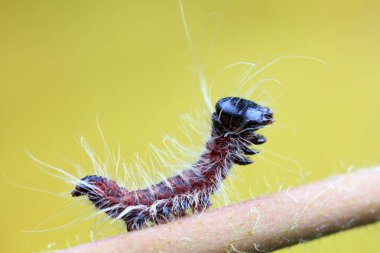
x=264, y=224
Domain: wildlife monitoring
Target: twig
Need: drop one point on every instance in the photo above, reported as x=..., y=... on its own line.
x=264, y=224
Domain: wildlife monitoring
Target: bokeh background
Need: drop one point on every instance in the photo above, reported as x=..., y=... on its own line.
x=62, y=63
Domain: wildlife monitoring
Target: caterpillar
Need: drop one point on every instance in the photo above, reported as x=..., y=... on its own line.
x=234, y=125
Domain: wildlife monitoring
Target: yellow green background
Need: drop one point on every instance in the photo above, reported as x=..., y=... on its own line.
x=62, y=63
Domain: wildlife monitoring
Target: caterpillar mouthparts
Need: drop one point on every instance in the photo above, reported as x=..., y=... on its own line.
x=234, y=125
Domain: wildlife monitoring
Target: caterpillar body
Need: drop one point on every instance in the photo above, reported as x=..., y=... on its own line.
x=234, y=125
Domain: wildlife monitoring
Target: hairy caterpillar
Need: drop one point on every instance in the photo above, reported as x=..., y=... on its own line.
x=234, y=125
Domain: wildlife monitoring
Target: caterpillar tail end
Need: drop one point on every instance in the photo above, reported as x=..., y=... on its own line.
x=86, y=185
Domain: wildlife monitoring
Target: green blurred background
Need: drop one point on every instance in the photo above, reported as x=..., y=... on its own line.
x=62, y=63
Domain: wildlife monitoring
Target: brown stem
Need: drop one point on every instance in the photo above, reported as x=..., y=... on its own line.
x=264, y=224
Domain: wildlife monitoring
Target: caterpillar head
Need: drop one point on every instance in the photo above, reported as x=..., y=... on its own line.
x=87, y=185
x=238, y=116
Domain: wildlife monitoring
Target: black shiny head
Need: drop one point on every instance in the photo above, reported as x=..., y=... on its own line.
x=236, y=115
x=86, y=185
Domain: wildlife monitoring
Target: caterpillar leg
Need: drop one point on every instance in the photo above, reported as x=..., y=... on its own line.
x=257, y=139
x=136, y=223
x=203, y=204
x=162, y=216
